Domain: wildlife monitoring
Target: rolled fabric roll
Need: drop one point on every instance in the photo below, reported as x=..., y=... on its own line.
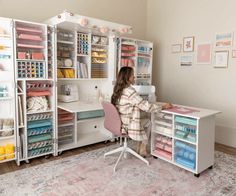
x=186, y=155
x=186, y=163
x=180, y=144
x=180, y=153
x=68, y=63
x=192, y=156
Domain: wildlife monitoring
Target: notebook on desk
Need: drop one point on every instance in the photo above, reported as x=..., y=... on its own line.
x=182, y=110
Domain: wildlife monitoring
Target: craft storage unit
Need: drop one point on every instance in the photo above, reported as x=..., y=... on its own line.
x=34, y=62
x=8, y=150
x=86, y=59
x=137, y=54
x=186, y=140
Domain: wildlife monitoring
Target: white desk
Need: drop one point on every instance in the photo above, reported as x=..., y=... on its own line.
x=200, y=113
x=86, y=131
x=79, y=106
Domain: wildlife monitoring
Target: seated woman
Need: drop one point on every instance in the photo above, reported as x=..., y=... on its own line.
x=129, y=103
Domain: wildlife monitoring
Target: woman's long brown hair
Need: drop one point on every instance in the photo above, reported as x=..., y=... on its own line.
x=122, y=82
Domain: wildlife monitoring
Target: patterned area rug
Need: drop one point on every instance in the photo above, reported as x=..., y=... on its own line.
x=89, y=174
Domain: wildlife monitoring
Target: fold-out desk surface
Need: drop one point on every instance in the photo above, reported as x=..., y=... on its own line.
x=79, y=106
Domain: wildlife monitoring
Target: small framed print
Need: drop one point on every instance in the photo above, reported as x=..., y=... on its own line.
x=224, y=40
x=221, y=59
x=234, y=53
x=188, y=44
x=176, y=48
x=186, y=60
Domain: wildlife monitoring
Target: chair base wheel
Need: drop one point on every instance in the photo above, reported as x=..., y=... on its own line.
x=197, y=175
x=155, y=157
x=211, y=167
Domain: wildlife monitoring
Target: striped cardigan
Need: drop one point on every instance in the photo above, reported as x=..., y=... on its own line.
x=129, y=107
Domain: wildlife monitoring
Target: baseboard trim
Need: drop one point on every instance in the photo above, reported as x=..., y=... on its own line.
x=226, y=135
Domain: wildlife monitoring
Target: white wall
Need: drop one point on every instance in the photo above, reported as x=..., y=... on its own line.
x=131, y=12
x=199, y=85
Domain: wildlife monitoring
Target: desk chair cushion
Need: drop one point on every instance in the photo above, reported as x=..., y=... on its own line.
x=112, y=120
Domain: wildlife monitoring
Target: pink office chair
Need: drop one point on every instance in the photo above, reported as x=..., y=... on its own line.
x=112, y=123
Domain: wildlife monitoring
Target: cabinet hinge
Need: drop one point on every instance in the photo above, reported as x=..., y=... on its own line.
x=53, y=29
x=18, y=149
x=55, y=141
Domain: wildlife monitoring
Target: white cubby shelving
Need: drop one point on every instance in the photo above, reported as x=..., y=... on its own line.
x=35, y=89
x=186, y=140
x=86, y=58
x=137, y=54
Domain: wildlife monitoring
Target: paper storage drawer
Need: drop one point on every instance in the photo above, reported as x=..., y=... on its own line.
x=185, y=154
x=90, y=114
x=186, y=120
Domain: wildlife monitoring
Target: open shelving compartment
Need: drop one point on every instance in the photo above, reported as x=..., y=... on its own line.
x=162, y=136
x=66, y=127
x=144, y=62
x=138, y=55
x=31, y=50
x=66, y=53
x=99, y=56
x=8, y=149
x=83, y=55
x=40, y=121
x=185, y=133
x=128, y=53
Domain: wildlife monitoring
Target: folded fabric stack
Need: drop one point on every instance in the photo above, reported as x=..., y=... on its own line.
x=185, y=128
x=163, y=147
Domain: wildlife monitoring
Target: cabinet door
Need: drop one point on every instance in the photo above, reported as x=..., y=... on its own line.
x=6, y=49
x=144, y=62
x=7, y=93
x=138, y=55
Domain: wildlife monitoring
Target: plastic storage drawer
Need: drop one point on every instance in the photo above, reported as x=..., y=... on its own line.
x=90, y=114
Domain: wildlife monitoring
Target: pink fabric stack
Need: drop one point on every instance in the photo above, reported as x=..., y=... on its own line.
x=164, y=147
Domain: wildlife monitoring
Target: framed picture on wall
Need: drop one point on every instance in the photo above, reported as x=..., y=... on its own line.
x=221, y=59
x=176, y=48
x=203, y=53
x=186, y=60
x=188, y=44
x=234, y=53
x=224, y=39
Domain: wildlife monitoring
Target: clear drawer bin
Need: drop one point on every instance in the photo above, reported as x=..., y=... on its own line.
x=185, y=154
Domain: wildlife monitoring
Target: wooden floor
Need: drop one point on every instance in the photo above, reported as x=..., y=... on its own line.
x=11, y=166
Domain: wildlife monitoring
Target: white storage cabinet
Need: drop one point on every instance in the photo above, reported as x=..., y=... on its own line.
x=185, y=140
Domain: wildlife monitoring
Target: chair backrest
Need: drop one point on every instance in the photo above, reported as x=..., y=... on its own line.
x=112, y=120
